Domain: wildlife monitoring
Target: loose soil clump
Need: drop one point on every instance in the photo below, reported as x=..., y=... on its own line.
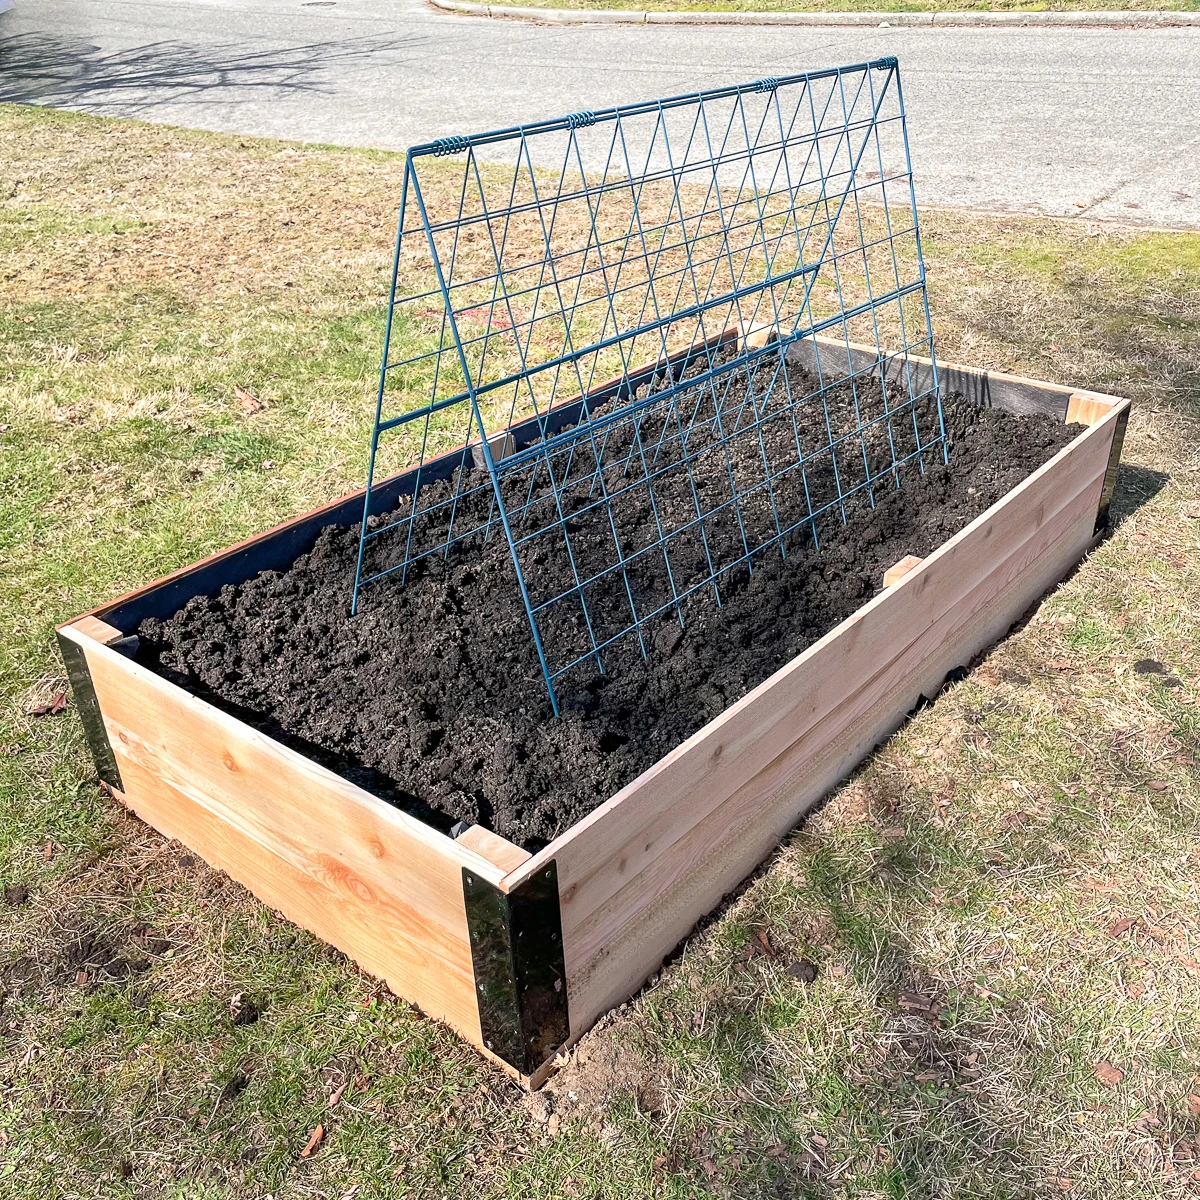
x=432, y=696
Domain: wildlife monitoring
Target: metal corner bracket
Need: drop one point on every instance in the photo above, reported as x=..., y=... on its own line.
x=520, y=976
x=88, y=708
x=1110, y=474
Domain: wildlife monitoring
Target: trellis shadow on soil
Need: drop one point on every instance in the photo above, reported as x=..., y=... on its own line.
x=623, y=321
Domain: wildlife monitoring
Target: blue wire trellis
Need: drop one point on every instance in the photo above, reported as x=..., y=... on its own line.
x=603, y=313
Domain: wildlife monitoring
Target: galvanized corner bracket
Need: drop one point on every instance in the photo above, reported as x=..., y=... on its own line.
x=520, y=976
x=88, y=708
x=1110, y=475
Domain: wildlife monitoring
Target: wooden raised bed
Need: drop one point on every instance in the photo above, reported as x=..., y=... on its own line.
x=521, y=954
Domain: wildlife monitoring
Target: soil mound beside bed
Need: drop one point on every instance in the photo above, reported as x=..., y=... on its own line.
x=432, y=697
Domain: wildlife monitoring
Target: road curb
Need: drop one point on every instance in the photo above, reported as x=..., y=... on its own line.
x=1149, y=19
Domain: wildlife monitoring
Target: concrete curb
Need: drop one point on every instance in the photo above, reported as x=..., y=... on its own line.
x=1149, y=19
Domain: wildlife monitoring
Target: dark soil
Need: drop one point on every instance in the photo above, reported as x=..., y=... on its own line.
x=432, y=697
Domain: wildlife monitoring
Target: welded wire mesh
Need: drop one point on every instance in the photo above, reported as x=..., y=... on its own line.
x=619, y=342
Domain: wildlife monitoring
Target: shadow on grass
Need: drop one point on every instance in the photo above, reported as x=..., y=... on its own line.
x=1136, y=486
x=41, y=68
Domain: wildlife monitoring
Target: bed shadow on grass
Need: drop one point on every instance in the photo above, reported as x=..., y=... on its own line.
x=1136, y=486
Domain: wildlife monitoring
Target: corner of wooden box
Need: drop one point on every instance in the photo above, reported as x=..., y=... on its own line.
x=71, y=640
x=520, y=973
x=1114, y=465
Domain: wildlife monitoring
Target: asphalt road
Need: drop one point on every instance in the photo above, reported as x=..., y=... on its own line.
x=1095, y=123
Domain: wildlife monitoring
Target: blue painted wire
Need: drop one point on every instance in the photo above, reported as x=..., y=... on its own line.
x=750, y=255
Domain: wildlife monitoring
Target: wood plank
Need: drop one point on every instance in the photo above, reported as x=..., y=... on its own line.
x=727, y=845
x=897, y=571
x=879, y=666
x=754, y=335
x=988, y=389
x=97, y=630
x=501, y=445
x=1084, y=408
x=322, y=897
x=628, y=835
x=639, y=871
x=943, y=581
x=376, y=883
x=496, y=849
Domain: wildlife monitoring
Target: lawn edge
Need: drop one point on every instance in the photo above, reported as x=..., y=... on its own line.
x=1157, y=19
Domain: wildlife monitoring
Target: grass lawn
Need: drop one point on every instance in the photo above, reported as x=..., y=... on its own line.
x=1002, y=906
x=884, y=6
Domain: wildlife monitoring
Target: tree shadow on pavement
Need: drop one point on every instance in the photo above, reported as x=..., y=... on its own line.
x=37, y=68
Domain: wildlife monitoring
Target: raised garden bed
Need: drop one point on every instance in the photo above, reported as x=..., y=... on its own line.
x=652, y=808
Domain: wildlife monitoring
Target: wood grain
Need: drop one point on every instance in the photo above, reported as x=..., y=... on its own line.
x=897, y=571
x=1085, y=408
x=987, y=389
x=97, y=630
x=637, y=873
x=367, y=878
x=496, y=849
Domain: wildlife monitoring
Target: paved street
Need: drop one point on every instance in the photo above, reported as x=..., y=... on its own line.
x=1091, y=122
